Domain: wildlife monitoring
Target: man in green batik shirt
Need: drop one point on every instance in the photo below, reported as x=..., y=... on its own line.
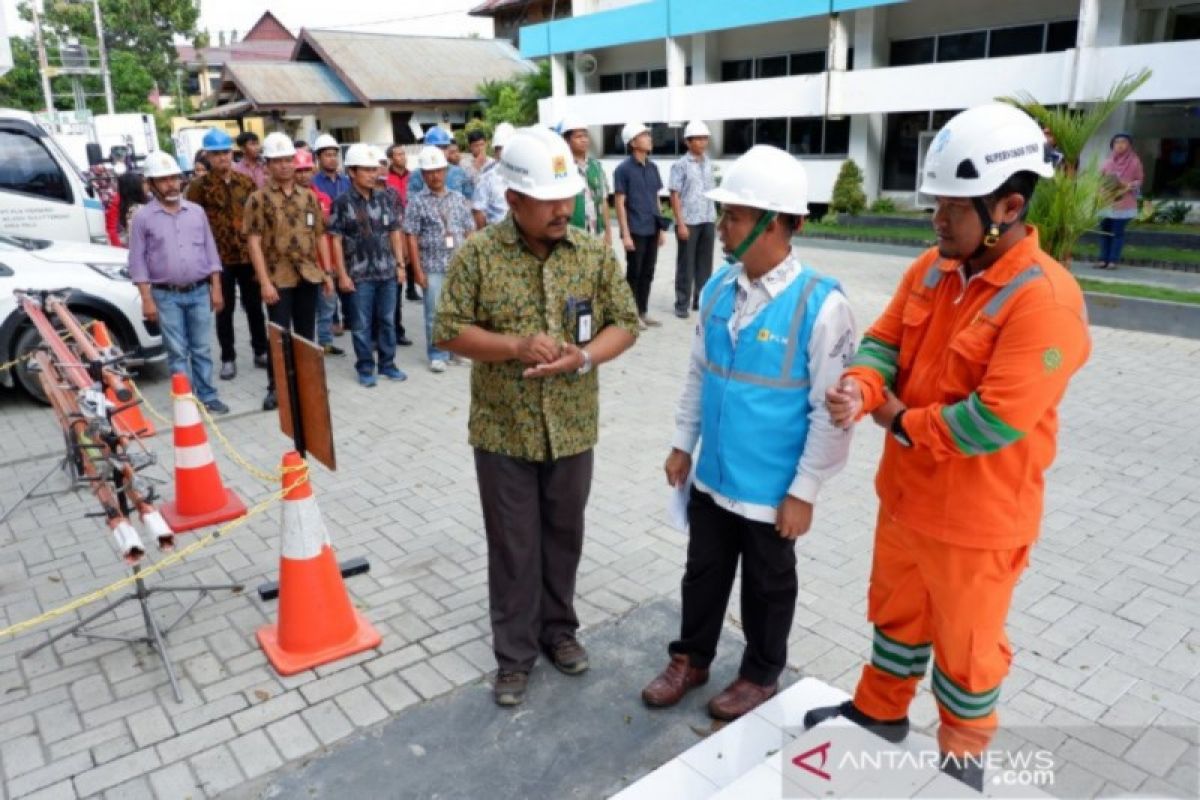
x=536, y=305
x=591, y=207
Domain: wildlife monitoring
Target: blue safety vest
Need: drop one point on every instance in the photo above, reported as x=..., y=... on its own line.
x=754, y=401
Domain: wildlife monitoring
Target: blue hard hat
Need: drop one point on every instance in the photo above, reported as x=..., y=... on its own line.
x=216, y=140
x=438, y=137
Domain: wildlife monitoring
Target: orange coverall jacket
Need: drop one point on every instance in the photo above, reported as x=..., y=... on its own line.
x=982, y=365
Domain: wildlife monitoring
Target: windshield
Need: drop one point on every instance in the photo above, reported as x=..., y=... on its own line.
x=9, y=241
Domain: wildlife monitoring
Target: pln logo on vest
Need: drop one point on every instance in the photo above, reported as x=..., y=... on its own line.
x=766, y=336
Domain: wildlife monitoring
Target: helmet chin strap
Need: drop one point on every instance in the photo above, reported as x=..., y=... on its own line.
x=993, y=230
x=736, y=254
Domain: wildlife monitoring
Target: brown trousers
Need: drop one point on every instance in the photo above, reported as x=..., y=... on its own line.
x=533, y=514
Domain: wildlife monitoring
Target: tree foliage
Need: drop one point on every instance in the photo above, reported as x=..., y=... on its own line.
x=515, y=100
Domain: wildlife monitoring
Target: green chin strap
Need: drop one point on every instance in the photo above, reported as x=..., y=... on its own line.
x=739, y=251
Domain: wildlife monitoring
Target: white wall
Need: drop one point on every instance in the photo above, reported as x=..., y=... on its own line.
x=917, y=18
x=629, y=57
x=795, y=36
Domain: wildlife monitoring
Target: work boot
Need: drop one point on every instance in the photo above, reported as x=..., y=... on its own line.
x=568, y=656
x=893, y=730
x=510, y=687
x=967, y=769
x=333, y=350
x=270, y=402
x=260, y=360
x=228, y=370
x=413, y=296
x=740, y=698
x=674, y=682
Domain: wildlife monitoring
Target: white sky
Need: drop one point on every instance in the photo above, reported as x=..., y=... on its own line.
x=429, y=17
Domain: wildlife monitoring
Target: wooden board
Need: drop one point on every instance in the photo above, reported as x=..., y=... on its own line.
x=313, y=394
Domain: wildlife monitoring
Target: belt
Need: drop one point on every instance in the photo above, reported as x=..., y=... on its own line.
x=180, y=288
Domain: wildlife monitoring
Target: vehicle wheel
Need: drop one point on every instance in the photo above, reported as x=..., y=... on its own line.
x=28, y=341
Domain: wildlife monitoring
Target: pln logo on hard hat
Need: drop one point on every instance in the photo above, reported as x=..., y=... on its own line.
x=560, y=166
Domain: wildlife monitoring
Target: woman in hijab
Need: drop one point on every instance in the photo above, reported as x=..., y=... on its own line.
x=1124, y=169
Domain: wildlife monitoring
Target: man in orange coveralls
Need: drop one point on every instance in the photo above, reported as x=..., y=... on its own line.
x=965, y=369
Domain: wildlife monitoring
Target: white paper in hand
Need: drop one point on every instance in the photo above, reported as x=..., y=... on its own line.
x=677, y=505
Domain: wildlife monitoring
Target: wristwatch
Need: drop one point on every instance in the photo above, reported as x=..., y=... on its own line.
x=587, y=363
x=897, y=429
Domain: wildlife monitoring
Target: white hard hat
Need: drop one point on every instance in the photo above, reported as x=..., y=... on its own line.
x=982, y=147
x=325, y=142
x=571, y=124
x=696, y=128
x=431, y=158
x=767, y=178
x=537, y=162
x=278, y=145
x=361, y=155
x=503, y=133
x=161, y=165
x=631, y=131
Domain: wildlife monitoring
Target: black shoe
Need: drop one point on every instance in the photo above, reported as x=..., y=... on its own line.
x=413, y=297
x=216, y=407
x=270, y=402
x=682, y=313
x=333, y=350
x=404, y=341
x=260, y=361
x=228, y=370
x=894, y=730
x=967, y=769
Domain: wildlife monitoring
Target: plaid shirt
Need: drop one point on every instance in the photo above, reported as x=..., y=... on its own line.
x=433, y=218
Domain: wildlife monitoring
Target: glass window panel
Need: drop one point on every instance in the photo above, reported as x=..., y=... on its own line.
x=1016, y=41
x=771, y=131
x=912, y=51
x=806, y=138
x=808, y=63
x=773, y=67
x=742, y=70
x=1061, y=35
x=612, y=83
x=962, y=46
x=739, y=136
x=658, y=78
x=837, y=137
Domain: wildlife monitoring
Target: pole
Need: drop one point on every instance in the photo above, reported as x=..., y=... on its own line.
x=43, y=64
x=108, y=90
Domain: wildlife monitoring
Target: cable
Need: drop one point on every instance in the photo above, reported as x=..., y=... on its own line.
x=393, y=19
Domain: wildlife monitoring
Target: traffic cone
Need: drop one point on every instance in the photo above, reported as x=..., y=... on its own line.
x=317, y=624
x=131, y=421
x=200, y=497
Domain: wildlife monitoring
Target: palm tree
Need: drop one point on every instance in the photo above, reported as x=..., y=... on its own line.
x=1068, y=205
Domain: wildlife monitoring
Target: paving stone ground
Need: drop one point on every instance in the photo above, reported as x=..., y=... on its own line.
x=1104, y=623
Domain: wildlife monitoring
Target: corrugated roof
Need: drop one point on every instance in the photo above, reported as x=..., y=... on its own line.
x=384, y=67
x=225, y=111
x=260, y=50
x=490, y=7
x=291, y=83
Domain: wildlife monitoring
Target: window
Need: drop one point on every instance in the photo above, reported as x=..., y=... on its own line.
x=773, y=67
x=906, y=52
x=808, y=136
x=808, y=63
x=1061, y=35
x=640, y=79
x=739, y=136
x=902, y=143
x=1187, y=24
x=658, y=78
x=668, y=141
x=612, y=146
x=771, y=131
x=26, y=167
x=612, y=83
x=742, y=70
x=962, y=46
x=837, y=136
x=1016, y=41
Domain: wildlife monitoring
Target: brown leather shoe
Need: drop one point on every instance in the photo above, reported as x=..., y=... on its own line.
x=740, y=698
x=673, y=683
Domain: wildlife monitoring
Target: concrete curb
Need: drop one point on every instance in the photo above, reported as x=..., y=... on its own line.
x=1141, y=314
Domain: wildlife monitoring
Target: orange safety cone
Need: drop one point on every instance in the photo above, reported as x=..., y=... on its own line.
x=200, y=497
x=317, y=624
x=131, y=421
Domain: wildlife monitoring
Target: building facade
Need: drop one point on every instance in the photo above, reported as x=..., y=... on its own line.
x=871, y=80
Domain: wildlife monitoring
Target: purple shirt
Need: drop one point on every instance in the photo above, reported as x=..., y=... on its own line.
x=256, y=173
x=171, y=248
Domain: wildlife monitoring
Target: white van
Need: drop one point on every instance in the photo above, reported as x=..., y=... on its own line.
x=43, y=195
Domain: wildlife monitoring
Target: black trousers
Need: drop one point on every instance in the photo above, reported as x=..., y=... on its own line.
x=717, y=538
x=693, y=265
x=533, y=514
x=639, y=268
x=233, y=278
x=296, y=309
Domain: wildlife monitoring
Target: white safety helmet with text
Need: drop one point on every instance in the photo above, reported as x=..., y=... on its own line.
x=278, y=145
x=537, y=162
x=431, y=158
x=361, y=155
x=161, y=164
x=631, y=131
x=980, y=148
x=325, y=142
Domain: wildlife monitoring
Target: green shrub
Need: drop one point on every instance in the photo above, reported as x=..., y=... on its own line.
x=848, y=195
x=883, y=205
